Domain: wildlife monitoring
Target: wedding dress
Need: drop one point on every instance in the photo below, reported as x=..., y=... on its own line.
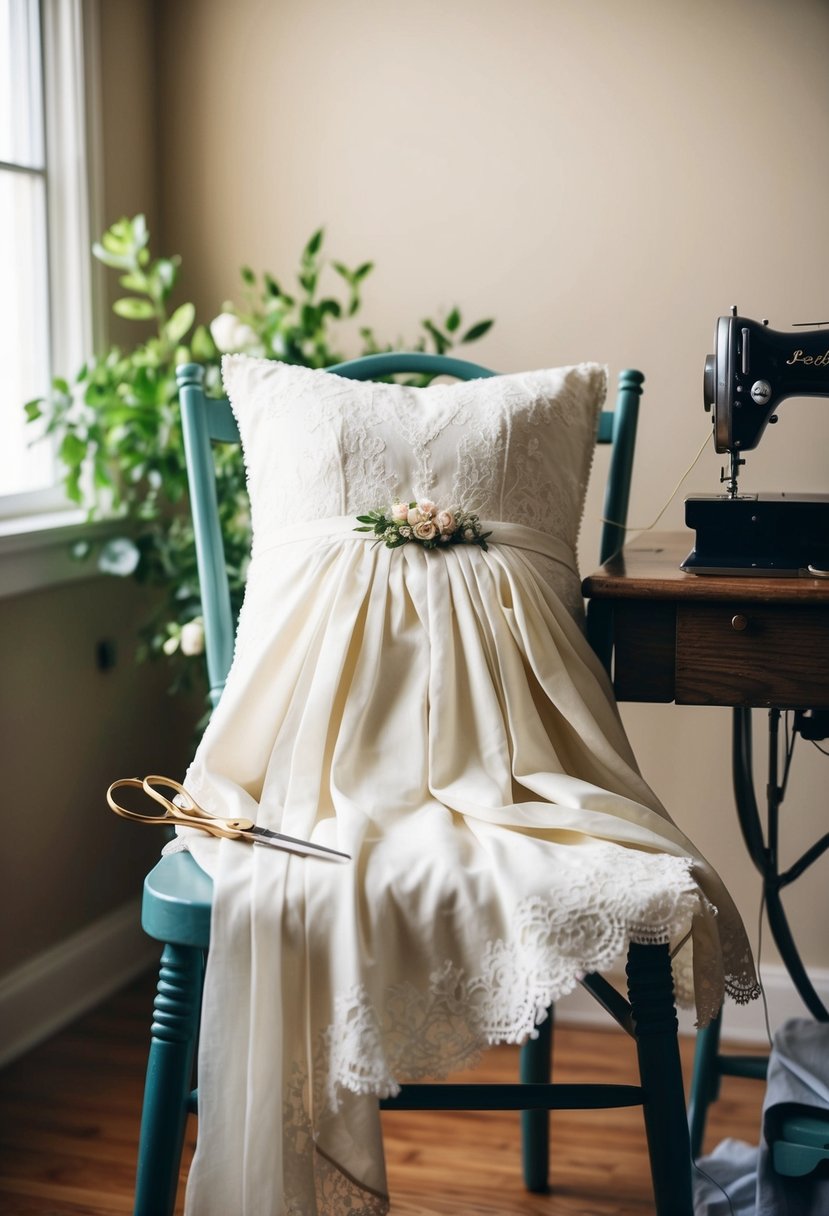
x=438, y=715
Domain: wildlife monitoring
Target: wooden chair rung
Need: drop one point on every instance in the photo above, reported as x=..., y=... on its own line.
x=610, y=1000
x=513, y=1097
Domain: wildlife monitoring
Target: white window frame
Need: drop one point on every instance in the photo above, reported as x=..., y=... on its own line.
x=39, y=528
x=71, y=89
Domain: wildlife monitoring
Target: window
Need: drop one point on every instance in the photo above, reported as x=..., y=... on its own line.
x=45, y=307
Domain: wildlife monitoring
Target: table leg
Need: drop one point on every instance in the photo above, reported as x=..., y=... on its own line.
x=763, y=848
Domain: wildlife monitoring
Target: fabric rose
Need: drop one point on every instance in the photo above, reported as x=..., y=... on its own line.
x=233, y=336
x=423, y=522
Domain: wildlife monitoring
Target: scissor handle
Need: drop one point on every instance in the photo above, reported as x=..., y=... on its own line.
x=191, y=815
x=136, y=783
x=188, y=807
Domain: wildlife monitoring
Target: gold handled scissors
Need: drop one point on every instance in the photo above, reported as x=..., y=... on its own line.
x=186, y=812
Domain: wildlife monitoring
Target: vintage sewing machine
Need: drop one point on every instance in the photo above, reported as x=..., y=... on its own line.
x=752, y=370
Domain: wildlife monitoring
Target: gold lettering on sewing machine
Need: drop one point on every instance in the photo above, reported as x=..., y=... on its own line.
x=809, y=360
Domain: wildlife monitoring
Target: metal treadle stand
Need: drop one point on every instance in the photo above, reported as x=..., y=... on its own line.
x=763, y=848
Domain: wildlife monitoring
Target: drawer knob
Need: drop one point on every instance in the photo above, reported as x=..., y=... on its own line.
x=739, y=622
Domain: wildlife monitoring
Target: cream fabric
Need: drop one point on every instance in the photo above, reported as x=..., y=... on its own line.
x=440, y=716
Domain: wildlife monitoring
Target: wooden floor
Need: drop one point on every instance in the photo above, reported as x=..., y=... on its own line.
x=69, y=1116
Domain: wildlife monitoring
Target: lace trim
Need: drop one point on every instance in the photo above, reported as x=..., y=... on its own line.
x=416, y=1033
x=313, y=1182
x=413, y=1032
x=740, y=982
x=742, y=988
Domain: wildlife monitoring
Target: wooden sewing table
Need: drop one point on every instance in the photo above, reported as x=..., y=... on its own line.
x=745, y=642
x=711, y=639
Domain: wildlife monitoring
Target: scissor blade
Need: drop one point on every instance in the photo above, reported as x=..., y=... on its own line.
x=291, y=844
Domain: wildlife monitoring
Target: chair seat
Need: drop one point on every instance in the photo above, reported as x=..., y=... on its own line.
x=803, y=1143
x=177, y=900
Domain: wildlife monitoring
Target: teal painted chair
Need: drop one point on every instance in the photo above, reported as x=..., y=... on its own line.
x=177, y=894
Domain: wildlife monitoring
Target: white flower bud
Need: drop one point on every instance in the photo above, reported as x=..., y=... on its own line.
x=232, y=335
x=119, y=556
x=192, y=637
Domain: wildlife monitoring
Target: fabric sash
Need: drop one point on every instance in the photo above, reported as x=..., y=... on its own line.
x=342, y=527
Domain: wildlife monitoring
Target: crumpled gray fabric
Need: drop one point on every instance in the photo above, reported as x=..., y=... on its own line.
x=798, y=1083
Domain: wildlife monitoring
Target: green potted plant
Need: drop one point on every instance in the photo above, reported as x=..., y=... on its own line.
x=118, y=429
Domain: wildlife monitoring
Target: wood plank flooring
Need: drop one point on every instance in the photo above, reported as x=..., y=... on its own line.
x=69, y=1114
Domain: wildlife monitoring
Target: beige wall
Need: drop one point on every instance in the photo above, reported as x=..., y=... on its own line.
x=604, y=178
x=128, y=120
x=68, y=730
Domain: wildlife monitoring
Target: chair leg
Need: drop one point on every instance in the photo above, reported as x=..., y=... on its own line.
x=705, y=1083
x=650, y=987
x=536, y=1062
x=169, y=1079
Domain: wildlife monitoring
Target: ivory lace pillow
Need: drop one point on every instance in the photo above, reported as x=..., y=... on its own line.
x=514, y=448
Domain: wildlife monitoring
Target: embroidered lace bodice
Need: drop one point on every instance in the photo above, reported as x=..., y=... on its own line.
x=510, y=448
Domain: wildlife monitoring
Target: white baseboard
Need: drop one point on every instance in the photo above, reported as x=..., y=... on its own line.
x=741, y=1023
x=58, y=985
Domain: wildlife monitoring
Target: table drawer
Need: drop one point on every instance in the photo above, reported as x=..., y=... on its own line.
x=744, y=654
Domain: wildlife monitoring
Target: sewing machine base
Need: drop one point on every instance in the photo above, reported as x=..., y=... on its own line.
x=768, y=534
